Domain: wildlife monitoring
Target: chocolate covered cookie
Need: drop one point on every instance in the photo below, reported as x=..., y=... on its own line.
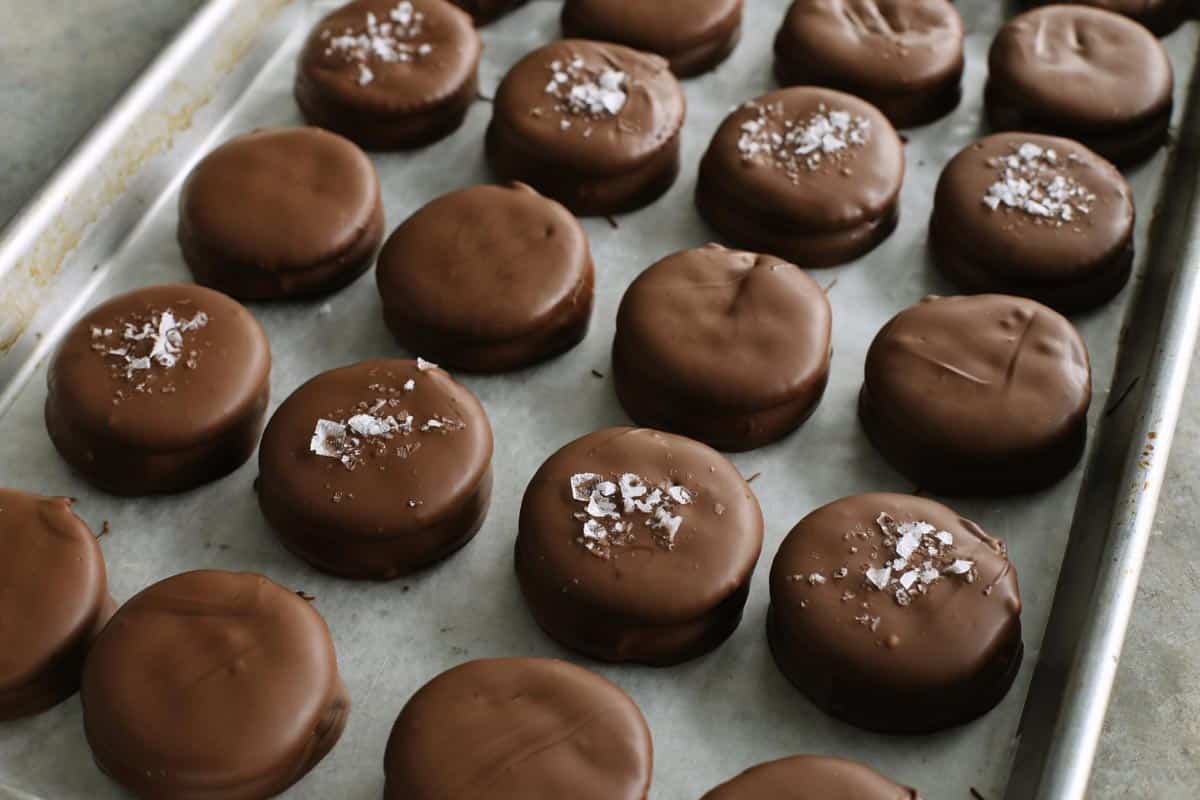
x=1160, y=16
x=895, y=614
x=810, y=175
x=376, y=470
x=53, y=601
x=1036, y=216
x=281, y=213
x=390, y=74
x=159, y=390
x=518, y=729
x=693, y=35
x=811, y=778
x=982, y=394
x=1083, y=73
x=213, y=684
x=485, y=11
x=727, y=347
x=595, y=126
x=905, y=57
x=488, y=279
x=636, y=545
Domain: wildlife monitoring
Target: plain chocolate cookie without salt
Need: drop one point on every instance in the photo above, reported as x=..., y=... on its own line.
x=811, y=778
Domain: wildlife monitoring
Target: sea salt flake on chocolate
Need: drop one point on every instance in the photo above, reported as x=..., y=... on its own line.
x=909, y=578
x=959, y=567
x=946, y=538
x=328, y=438
x=879, y=577
x=425, y=366
x=409, y=385
x=816, y=579
x=680, y=495
x=368, y=425
x=582, y=484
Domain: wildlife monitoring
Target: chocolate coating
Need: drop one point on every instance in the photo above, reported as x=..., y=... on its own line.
x=819, y=210
x=392, y=89
x=383, y=505
x=1083, y=73
x=213, y=684
x=944, y=654
x=53, y=601
x=693, y=35
x=811, y=778
x=485, y=11
x=592, y=159
x=643, y=595
x=903, y=56
x=281, y=213
x=727, y=347
x=1070, y=248
x=1160, y=16
x=488, y=279
x=519, y=729
x=982, y=394
x=139, y=421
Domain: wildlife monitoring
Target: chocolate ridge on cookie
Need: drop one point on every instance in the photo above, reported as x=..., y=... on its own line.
x=1160, y=16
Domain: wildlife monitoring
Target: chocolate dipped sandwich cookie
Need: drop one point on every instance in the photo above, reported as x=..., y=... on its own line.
x=595, y=126
x=518, y=729
x=389, y=74
x=213, y=684
x=159, y=390
x=1083, y=73
x=1160, y=16
x=485, y=11
x=811, y=778
x=693, y=35
x=978, y=395
x=488, y=279
x=53, y=601
x=727, y=347
x=1035, y=216
x=376, y=470
x=807, y=174
x=281, y=213
x=635, y=545
x=905, y=57
x=894, y=614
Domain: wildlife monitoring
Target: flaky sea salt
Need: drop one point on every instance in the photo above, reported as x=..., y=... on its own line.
x=389, y=40
x=582, y=91
x=804, y=144
x=1033, y=180
x=145, y=342
x=608, y=504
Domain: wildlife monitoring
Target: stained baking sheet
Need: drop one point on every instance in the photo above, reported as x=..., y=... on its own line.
x=710, y=718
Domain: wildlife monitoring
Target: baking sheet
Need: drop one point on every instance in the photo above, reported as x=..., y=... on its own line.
x=710, y=718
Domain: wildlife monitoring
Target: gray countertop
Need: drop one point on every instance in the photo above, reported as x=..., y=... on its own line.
x=61, y=68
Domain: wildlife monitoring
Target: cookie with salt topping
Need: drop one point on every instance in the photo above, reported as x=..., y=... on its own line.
x=1036, y=216
x=895, y=614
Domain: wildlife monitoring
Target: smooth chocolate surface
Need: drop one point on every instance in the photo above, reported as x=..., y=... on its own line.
x=1160, y=16
x=727, y=347
x=982, y=394
x=811, y=778
x=159, y=390
x=595, y=126
x=1083, y=73
x=213, y=684
x=53, y=601
x=1036, y=216
x=390, y=74
x=519, y=729
x=377, y=469
x=485, y=11
x=281, y=213
x=693, y=35
x=895, y=614
x=903, y=56
x=636, y=545
x=808, y=174
x=488, y=279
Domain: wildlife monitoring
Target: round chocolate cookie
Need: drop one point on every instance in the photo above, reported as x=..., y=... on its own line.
x=1035, y=216
x=595, y=126
x=53, y=601
x=694, y=35
x=281, y=213
x=811, y=778
x=377, y=469
x=810, y=175
x=213, y=684
x=390, y=74
x=893, y=613
x=1083, y=73
x=982, y=394
x=903, y=56
x=518, y=729
x=727, y=347
x=484, y=11
x=636, y=545
x=1160, y=16
x=488, y=279
x=159, y=390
